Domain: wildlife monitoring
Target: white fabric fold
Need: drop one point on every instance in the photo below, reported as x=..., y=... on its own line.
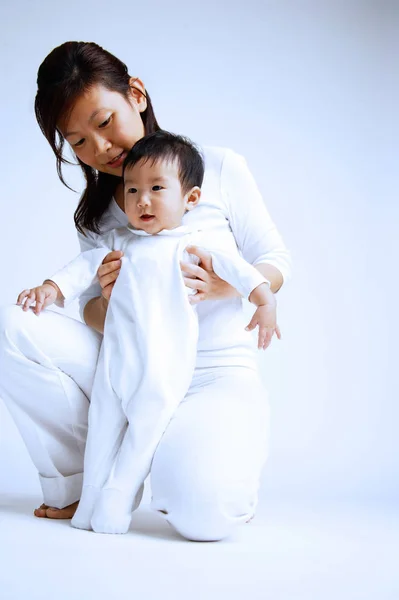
x=146, y=361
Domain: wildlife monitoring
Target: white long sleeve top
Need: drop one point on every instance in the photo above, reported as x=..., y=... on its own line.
x=138, y=246
x=148, y=355
x=230, y=199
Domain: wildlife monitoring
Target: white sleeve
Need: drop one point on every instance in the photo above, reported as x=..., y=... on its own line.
x=254, y=231
x=236, y=271
x=78, y=275
x=226, y=261
x=89, y=242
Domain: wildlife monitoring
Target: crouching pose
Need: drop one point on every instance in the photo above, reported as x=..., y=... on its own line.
x=206, y=469
x=148, y=355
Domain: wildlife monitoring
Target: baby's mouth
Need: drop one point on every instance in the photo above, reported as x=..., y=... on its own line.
x=147, y=218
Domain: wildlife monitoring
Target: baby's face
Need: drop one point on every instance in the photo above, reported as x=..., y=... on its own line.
x=153, y=196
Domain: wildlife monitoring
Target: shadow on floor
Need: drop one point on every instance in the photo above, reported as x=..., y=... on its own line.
x=145, y=522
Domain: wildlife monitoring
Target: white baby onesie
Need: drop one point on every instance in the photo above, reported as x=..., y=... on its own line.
x=146, y=360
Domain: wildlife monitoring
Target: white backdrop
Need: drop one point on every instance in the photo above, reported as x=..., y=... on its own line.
x=308, y=93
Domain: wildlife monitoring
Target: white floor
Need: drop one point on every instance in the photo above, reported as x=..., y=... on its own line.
x=284, y=554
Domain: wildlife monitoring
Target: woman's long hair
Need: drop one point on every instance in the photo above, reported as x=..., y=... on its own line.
x=67, y=72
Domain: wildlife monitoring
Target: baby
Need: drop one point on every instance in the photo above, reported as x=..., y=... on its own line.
x=148, y=353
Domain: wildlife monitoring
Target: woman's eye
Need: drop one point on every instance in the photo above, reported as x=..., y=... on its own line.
x=79, y=143
x=156, y=188
x=105, y=122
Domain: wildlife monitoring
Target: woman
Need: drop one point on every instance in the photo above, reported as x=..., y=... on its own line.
x=206, y=470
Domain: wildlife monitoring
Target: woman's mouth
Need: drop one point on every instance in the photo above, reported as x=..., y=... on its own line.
x=118, y=160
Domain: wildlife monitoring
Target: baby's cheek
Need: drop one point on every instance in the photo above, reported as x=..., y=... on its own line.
x=130, y=212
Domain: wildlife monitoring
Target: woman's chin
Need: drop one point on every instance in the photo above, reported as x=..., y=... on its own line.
x=109, y=171
x=116, y=172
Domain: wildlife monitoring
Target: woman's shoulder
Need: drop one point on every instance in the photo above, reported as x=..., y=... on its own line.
x=222, y=160
x=113, y=218
x=216, y=155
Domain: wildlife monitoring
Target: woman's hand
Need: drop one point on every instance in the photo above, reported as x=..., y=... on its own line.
x=203, y=278
x=108, y=272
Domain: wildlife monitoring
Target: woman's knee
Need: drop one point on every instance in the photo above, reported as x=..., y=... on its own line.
x=205, y=510
x=201, y=522
x=12, y=322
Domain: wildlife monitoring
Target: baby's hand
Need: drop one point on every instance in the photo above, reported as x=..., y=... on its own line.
x=265, y=317
x=43, y=295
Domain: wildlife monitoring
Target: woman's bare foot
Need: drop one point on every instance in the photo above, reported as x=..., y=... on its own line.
x=49, y=512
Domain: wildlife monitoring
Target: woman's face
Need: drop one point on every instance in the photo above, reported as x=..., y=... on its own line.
x=103, y=126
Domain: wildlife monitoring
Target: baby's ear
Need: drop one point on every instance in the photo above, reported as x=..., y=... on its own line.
x=193, y=197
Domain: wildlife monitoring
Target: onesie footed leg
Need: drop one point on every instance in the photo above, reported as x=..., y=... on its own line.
x=83, y=515
x=113, y=512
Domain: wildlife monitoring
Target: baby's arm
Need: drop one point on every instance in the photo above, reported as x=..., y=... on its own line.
x=73, y=279
x=43, y=295
x=249, y=282
x=264, y=316
x=66, y=284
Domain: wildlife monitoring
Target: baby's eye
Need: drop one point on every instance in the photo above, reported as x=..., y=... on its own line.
x=132, y=191
x=156, y=188
x=105, y=122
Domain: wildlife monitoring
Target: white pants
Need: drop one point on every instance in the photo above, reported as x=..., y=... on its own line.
x=206, y=470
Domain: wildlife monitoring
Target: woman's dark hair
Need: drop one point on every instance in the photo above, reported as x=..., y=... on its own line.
x=64, y=75
x=170, y=147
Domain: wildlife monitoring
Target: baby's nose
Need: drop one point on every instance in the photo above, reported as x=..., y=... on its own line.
x=144, y=200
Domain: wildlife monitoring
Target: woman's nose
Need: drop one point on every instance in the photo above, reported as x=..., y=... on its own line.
x=101, y=146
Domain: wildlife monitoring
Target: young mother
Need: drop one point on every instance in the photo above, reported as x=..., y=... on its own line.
x=206, y=470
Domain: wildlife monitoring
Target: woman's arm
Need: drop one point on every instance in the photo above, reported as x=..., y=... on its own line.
x=254, y=230
x=94, y=313
x=211, y=287
x=272, y=274
x=93, y=303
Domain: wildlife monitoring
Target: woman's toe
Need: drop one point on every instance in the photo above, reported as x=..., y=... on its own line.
x=41, y=511
x=62, y=513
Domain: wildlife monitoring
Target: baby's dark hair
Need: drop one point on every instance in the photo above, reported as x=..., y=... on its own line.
x=162, y=145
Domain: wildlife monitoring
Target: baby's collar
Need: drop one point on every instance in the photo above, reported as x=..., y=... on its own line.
x=181, y=230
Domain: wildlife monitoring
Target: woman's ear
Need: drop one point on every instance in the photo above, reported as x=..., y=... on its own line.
x=137, y=92
x=193, y=197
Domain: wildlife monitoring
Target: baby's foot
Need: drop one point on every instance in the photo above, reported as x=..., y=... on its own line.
x=113, y=512
x=49, y=512
x=83, y=515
